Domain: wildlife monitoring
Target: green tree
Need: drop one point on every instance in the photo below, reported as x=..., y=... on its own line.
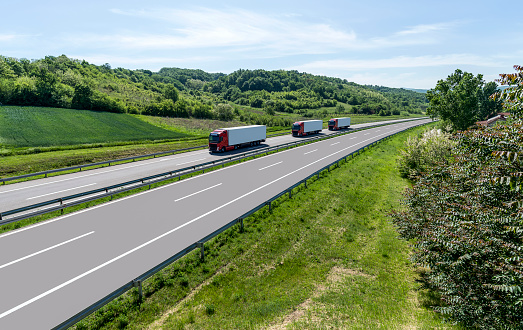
x=171, y=93
x=82, y=96
x=456, y=100
x=488, y=106
x=224, y=112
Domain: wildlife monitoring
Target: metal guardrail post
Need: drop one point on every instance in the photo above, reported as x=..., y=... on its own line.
x=202, y=250
x=138, y=284
x=241, y=224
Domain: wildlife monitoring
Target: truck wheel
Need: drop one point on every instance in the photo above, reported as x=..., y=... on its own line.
x=235, y=147
x=222, y=149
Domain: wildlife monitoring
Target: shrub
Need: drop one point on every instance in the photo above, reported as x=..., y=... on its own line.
x=424, y=151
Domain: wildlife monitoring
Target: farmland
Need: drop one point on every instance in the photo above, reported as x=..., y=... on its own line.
x=23, y=127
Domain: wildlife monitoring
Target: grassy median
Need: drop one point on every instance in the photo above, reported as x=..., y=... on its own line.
x=326, y=258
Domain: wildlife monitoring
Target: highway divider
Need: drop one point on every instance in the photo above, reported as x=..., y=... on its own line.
x=108, y=162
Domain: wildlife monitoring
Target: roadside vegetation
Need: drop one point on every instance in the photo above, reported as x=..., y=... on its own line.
x=328, y=257
x=463, y=216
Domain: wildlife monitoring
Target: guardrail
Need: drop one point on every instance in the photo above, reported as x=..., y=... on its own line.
x=59, y=204
x=109, y=162
x=200, y=243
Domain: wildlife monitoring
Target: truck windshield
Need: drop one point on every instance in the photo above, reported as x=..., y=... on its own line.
x=214, y=138
x=296, y=127
x=332, y=122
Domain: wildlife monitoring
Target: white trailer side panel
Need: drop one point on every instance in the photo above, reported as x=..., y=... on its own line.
x=312, y=125
x=246, y=134
x=342, y=122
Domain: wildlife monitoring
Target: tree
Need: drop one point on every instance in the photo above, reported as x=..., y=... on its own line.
x=488, y=107
x=455, y=100
x=224, y=112
x=171, y=93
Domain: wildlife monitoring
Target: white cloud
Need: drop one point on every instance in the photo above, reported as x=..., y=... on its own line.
x=7, y=37
x=151, y=63
x=400, y=62
x=237, y=30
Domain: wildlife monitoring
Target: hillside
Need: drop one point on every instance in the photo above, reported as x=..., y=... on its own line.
x=259, y=96
x=43, y=127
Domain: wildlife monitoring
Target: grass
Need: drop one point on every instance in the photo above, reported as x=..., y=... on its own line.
x=327, y=258
x=23, y=127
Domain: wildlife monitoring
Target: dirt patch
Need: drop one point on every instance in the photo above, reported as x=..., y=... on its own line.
x=335, y=277
x=159, y=322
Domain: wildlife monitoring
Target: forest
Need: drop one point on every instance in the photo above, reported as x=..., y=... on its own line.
x=63, y=82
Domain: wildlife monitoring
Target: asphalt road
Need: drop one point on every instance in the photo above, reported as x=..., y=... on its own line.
x=22, y=194
x=52, y=270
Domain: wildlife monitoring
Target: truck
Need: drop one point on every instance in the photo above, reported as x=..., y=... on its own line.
x=339, y=123
x=225, y=139
x=306, y=127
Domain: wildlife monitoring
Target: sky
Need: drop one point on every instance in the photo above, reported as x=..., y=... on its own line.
x=410, y=44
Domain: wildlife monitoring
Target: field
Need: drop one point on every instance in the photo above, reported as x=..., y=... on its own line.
x=23, y=127
x=328, y=258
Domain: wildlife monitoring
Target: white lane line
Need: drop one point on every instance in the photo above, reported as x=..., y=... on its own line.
x=97, y=173
x=48, y=292
x=352, y=138
x=366, y=134
x=261, y=169
x=44, y=250
x=192, y=161
x=179, y=199
x=335, y=143
x=311, y=151
x=57, y=192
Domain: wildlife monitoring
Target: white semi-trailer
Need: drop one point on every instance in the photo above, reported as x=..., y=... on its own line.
x=339, y=123
x=306, y=127
x=225, y=139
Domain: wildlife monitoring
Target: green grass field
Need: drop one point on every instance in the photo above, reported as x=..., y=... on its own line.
x=329, y=258
x=22, y=127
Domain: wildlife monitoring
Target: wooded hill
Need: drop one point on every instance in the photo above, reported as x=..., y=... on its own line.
x=70, y=83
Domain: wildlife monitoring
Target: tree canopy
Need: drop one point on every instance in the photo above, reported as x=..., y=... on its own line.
x=462, y=99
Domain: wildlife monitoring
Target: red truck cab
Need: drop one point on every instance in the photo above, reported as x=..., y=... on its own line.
x=219, y=141
x=333, y=124
x=297, y=128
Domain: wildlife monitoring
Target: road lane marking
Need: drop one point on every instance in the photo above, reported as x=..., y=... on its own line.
x=192, y=161
x=45, y=250
x=261, y=169
x=57, y=192
x=311, y=151
x=179, y=199
x=97, y=173
x=366, y=134
x=335, y=143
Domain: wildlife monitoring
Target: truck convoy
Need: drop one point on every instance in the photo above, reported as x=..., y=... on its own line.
x=339, y=123
x=225, y=139
x=306, y=127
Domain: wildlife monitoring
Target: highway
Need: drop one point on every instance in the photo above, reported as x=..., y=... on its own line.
x=26, y=193
x=52, y=270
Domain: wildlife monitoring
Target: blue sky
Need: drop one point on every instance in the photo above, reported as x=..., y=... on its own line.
x=390, y=43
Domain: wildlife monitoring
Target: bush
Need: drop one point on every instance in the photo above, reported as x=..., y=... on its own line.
x=465, y=219
x=424, y=151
